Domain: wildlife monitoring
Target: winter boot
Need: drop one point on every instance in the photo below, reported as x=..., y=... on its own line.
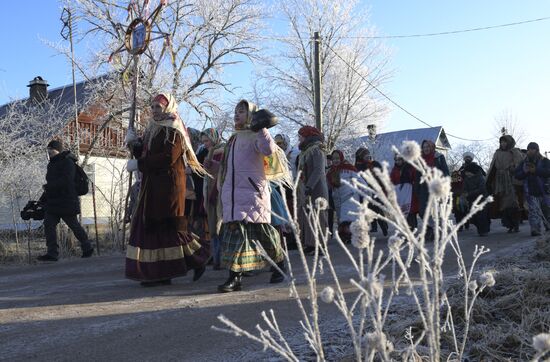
x=430, y=236
x=276, y=276
x=232, y=284
x=384, y=227
x=198, y=272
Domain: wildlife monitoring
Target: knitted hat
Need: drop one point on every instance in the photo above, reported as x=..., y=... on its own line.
x=308, y=131
x=56, y=145
x=533, y=146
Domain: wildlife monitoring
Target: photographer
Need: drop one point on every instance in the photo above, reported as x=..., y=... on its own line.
x=534, y=171
x=61, y=201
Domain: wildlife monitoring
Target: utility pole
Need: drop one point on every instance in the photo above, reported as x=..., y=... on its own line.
x=317, y=80
x=67, y=34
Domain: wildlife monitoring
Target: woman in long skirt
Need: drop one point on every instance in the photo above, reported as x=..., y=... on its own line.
x=160, y=246
x=246, y=203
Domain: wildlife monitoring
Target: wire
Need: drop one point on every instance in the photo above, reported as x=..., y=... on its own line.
x=397, y=104
x=450, y=32
x=288, y=38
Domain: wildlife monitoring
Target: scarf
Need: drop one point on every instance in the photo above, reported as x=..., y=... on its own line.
x=212, y=134
x=214, y=137
x=286, y=142
x=172, y=121
x=333, y=174
x=306, y=148
x=430, y=157
x=309, y=141
x=251, y=108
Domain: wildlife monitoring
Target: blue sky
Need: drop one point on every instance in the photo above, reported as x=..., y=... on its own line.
x=461, y=82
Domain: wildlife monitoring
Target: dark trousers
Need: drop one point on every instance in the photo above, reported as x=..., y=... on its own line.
x=482, y=221
x=50, y=225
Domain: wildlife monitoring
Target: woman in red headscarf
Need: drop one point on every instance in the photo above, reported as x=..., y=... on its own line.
x=433, y=159
x=403, y=176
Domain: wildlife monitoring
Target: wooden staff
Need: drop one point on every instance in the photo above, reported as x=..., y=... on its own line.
x=95, y=218
x=130, y=127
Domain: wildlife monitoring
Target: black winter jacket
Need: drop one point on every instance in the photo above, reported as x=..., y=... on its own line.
x=60, y=193
x=537, y=184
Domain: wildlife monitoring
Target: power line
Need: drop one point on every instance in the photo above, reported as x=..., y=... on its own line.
x=451, y=32
x=422, y=35
x=397, y=104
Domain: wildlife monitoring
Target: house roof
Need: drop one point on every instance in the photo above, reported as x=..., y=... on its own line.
x=61, y=96
x=381, y=147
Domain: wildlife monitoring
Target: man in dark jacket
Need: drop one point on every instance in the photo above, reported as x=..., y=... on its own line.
x=534, y=171
x=61, y=201
x=474, y=186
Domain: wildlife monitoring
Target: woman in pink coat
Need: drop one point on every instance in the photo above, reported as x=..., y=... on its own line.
x=246, y=204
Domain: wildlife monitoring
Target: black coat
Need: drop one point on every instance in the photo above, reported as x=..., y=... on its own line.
x=60, y=193
x=535, y=184
x=475, y=186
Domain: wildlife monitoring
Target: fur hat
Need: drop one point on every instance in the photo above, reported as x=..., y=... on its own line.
x=56, y=145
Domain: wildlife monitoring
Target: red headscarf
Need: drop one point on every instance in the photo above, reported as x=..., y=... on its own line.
x=333, y=174
x=430, y=157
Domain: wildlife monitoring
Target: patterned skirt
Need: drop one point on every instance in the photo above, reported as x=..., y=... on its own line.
x=240, y=253
x=162, y=250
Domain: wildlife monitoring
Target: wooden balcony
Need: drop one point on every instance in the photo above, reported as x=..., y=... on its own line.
x=109, y=143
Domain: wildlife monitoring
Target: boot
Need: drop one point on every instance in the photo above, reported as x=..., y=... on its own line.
x=198, y=272
x=384, y=227
x=232, y=284
x=276, y=276
x=430, y=236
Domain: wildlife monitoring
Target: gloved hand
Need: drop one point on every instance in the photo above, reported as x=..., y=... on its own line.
x=132, y=165
x=131, y=136
x=263, y=119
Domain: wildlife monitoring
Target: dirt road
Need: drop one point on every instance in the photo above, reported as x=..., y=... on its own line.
x=84, y=309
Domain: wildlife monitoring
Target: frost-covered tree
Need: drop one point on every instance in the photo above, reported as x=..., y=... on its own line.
x=204, y=37
x=507, y=123
x=483, y=152
x=26, y=127
x=351, y=64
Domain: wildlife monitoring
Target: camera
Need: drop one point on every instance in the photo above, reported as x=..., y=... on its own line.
x=33, y=210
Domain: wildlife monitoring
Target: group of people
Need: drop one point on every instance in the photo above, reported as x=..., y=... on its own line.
x=199, y=199
x=518, y=180
x=412, y=194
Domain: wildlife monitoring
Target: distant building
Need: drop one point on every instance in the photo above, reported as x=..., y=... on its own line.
x=381, y=145
x=106, y=164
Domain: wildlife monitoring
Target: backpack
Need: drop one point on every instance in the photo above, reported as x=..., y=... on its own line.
x=81, y=181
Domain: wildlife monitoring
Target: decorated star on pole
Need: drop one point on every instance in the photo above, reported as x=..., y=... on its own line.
x=143, y=28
